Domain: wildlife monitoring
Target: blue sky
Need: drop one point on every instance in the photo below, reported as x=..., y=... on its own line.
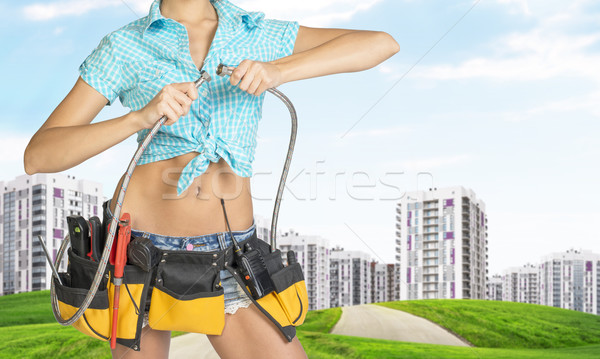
x=505, y=104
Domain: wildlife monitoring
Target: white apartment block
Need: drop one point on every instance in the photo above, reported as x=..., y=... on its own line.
x=38, y=205
x=350, y=278
x=379, y=282
x=521, y=284
x=570, y=280
x=263, y=228
x=393, y=285
x=441, y=244
x=494, y=288
x=313, y=255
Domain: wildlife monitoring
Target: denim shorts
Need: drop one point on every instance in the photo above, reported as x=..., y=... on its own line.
x=235, y=297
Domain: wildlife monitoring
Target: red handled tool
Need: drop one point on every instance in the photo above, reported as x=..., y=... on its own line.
x=120, y=260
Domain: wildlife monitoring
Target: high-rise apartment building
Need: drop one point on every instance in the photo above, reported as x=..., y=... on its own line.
x=379, y=282
x=350, y=278
x=393, y=286
x=313, y=255
x=570, y=280
x=494, y=288
x=38, y=205
x=521, y=284
x=441, y=244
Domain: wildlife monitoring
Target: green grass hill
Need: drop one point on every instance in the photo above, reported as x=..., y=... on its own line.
x=499, y=330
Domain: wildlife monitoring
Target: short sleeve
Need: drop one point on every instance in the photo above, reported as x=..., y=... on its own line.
x=284, y=35
x=102, y=70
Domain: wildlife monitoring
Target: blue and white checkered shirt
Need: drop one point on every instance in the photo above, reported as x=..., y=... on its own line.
x=136, y=61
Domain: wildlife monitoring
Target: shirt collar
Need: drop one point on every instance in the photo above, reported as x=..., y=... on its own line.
x=230, y=15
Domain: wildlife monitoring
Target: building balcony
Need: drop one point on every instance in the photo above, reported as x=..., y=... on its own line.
x=430, y=290
x=399, y=242
x=398, y=234
x=430, y=214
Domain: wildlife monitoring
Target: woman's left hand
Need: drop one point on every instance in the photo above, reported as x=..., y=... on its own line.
x=256, y=77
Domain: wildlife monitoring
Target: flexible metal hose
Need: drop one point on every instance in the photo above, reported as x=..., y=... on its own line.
x=223, y=70
x=204, y=77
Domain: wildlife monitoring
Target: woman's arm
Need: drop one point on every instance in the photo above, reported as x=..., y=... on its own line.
x=67, y=138
x=317, y=52
x=320, y=52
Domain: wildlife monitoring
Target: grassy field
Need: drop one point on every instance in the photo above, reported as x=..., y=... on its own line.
x=26, y=308
x=494, y=324
x=501, y=330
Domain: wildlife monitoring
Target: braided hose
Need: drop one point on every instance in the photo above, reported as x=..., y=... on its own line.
x=223, y=70
x=204, y=77
x=286, y=165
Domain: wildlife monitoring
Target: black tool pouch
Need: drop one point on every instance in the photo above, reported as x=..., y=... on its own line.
x=187, y=294
x=132, y=303
x=96, y=320
x=287, y=305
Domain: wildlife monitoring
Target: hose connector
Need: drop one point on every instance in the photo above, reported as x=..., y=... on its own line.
x=223, y=70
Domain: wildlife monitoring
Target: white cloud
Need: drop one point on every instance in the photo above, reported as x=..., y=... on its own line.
x=308, y=12
x=47, y=11
x=536, y=55
x=12, y=148
x=588, y=103
x=517, y=6
x=548, y=50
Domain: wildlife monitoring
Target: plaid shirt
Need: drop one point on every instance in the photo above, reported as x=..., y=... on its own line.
x=136, y=61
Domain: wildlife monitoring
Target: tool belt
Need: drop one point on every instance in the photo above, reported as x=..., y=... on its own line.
x=183, y=290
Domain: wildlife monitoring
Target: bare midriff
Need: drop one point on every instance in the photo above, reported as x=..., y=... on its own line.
x=154, y=206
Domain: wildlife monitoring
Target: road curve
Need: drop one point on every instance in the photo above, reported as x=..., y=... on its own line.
x=368, y=320
x=375, y=321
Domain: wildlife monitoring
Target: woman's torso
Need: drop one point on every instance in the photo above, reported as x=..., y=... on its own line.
x=151, y=199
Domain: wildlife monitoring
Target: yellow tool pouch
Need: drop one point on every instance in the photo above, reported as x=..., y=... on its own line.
x=183, y=292
x=132, y=302
x=96, y=321
x=290, y=295
x=187, y=294
x=287, y=305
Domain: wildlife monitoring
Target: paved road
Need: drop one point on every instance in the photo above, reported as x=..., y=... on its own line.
x=375, y=321
x=369, y=321
x=190, y=346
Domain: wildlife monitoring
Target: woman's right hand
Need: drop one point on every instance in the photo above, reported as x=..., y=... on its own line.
x=173, y=100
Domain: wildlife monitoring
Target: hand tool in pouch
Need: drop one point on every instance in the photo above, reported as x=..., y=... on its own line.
x=142, y=253
x=252, y=266
x=120, y=260
x=52, y=266
x=106, y=244
x=79, y=235
x=95, y=238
